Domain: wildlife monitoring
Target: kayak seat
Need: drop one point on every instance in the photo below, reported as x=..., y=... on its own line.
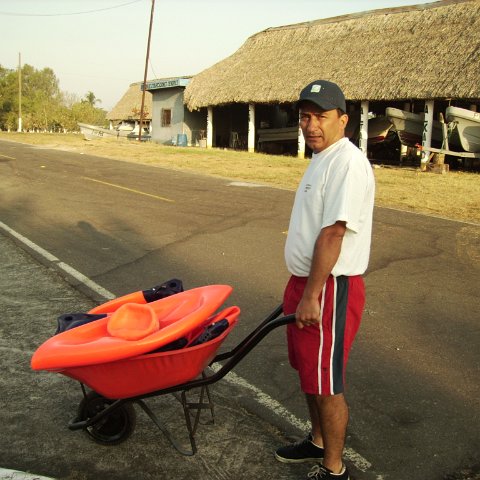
x=133, y=321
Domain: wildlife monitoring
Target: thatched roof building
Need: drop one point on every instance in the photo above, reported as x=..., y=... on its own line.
x=129, y=106
x=429, y=51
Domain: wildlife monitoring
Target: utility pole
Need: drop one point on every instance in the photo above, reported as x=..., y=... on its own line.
x=145, y=74
x=19, y=93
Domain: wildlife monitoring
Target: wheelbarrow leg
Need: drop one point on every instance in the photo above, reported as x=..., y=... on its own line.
x=188, y=408
x=198, y=406
x=166, y=432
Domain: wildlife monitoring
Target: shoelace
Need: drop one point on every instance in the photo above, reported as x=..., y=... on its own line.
x=318, y=471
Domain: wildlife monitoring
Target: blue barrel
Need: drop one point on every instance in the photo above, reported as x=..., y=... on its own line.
x=182, y=140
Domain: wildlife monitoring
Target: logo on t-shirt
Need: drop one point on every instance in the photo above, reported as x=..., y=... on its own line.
x=308, y=187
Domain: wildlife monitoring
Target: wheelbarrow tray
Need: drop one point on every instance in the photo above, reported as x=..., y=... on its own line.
x=149, y=372
x=175, y=317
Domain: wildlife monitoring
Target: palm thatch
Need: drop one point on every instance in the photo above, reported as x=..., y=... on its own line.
x=429, y=51
x=129, y=106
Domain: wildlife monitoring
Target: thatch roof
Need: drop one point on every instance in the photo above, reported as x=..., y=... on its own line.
x=128, y=108
x=418, y=52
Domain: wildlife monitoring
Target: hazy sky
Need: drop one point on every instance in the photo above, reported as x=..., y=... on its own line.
x=100, y=45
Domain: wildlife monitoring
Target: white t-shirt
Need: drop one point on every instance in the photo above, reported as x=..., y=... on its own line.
x=338, y=185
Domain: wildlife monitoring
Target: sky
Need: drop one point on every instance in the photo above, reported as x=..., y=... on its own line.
x=100, y=46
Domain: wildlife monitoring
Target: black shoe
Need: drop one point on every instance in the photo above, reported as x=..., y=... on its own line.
x=303, y=451
x=319, y=472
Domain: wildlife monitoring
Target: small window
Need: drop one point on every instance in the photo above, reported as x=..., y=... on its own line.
x=166, y=117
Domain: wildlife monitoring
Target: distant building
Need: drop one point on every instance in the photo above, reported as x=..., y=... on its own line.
x=172, y=123
x=127, y=110
x=410, y=58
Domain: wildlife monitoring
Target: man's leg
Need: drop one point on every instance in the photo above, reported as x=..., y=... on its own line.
x=317, y=436
x=329, y=417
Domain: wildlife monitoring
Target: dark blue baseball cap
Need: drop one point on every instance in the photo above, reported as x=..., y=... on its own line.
x=326, y=95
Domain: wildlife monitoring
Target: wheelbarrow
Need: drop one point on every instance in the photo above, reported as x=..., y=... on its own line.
x=140, y=346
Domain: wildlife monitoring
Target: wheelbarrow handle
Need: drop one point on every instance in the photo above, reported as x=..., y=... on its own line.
x=269, y=324
x=234, y=356
x=245, y=346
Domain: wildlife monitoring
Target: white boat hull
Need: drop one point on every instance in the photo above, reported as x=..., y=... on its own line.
x=409, y=127
x=91, y=132
x=378, y=129
x=466, y=127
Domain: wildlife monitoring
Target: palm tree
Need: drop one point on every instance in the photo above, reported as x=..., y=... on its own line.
x=91, y=99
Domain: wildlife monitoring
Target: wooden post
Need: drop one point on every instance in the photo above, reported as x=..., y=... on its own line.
x=427, y=133
x=144, y=88
x=301, y=141
x=209, y=127
x=363, y=139
x=438, y=164
x=251, y=127
x=404, y=148
x=19, y=93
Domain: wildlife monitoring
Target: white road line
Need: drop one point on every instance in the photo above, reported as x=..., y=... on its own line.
x=246, y=184
x=265, y=400
x=260, y=397
x=61, y=265
x=6, y=474
x=29, y=244
x=86, y=281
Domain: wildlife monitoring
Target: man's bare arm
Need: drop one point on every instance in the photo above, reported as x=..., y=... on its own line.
x=325, y=255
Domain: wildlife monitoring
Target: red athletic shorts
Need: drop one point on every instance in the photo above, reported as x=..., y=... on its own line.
x=320, y=352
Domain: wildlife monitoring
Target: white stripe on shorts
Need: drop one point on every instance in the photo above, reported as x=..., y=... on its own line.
x=319, y=372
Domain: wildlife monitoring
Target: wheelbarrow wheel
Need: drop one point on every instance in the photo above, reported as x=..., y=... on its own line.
x=112, y=429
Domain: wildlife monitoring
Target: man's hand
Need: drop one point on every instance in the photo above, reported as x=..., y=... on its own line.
x=308, y=312
x=325, y=254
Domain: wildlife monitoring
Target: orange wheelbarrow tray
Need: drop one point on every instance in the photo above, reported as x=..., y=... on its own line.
x=137, y=347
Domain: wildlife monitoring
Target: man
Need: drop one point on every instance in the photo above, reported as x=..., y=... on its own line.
x=327, y=251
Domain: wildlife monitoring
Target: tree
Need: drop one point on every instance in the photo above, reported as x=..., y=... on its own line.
x=41, y=98
x=86, y=113
x=91, y=99
x=44, y=106
x=8, y=98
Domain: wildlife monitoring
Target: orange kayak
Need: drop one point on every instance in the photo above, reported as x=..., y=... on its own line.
x=131, y=328
x=150, y=372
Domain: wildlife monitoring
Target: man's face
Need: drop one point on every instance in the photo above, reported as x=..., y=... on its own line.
x=321, y=128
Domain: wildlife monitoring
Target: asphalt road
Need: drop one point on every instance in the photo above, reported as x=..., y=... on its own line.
x=414, y=372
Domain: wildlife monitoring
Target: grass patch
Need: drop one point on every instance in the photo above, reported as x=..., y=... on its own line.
x=454, y=195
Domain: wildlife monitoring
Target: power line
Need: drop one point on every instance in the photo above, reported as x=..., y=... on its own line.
x=12, y=14
x=151, y=67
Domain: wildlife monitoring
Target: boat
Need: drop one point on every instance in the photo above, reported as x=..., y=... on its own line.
x=91, y=132
x=139, y=345
x=130, y=329
x=465, y=126
x=134, y=134
x=125, y=127
x=409, y=127
x=378, y=129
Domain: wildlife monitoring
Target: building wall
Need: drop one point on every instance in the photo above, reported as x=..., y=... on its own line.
x=172, y=99
x=182, y=121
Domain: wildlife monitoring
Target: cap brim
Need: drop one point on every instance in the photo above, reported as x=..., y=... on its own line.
x=322, y=104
